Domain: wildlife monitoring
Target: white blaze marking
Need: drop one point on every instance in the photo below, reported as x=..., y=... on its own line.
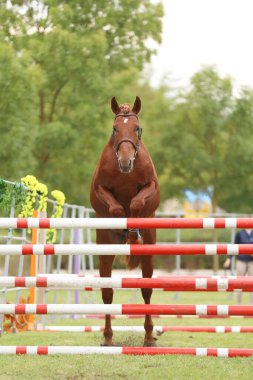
x=125, y=120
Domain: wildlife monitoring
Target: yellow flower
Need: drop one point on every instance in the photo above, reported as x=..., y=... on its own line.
x=60, y=200
x=29, y=182
x=42, y=192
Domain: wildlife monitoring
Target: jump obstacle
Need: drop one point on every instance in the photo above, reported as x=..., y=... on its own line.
x=125, y=309
x=197, y=284
x=80, y=350
x=169, y=283
x=124, y=223
x=126, y=249
x=157, y=329
x=137, y=316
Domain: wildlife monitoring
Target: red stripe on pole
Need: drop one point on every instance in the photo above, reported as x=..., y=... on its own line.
x=222, y=249
x=41, y=282
x=49, y=249
x=212, y=352
x=168, y=249
x=44, y=223
x=21, y=350
x=20, y=282
x=20, y=309
x=245, y=249
x=162, y=283
x=159, y=309
x=233, y=352
x=211, y=285
x=212, y=310
x=22, y=223
x=244, y=223
x=41, y=309
x=219, y=223
x=27, y=249
x=42, y=350
x=246, y=284
x=87, y=329
x=158, y=350
x=164, y=223
x=246, y=328
x=245, y=310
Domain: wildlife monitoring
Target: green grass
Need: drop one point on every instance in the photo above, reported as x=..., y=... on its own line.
x=128, y=367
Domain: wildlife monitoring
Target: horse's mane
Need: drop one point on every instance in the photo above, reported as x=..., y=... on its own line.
x=125, y=108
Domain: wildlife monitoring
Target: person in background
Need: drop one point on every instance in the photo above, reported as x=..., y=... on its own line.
x=244, y=263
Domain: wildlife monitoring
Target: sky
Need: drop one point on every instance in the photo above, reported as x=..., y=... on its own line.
x=206, y=32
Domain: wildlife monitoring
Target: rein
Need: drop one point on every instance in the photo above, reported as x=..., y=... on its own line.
x=135, y=145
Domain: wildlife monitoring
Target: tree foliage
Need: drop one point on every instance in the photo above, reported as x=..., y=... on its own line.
x=209, y=146
x=78, y=50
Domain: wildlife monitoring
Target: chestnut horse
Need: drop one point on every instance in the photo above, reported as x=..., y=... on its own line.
x=125, y=184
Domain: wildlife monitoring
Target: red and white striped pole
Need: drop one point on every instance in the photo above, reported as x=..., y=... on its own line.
x=126, y=249
x=123, y=223
x=171, y=283
x=157, y=329
x=80, y=350
x=203, y=310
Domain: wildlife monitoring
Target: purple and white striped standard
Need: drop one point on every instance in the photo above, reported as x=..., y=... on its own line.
x=170, y=283
x=126, y=249
x=89, y=350
x=122, y=223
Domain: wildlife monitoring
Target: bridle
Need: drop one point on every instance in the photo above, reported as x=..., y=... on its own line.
x=135, y=145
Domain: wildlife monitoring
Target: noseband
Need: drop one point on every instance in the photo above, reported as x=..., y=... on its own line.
x=135, y=145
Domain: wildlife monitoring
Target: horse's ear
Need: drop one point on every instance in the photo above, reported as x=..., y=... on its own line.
x=137, y=105
x=114, y=106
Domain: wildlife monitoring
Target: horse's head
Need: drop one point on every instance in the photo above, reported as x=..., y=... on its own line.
x=126, y=133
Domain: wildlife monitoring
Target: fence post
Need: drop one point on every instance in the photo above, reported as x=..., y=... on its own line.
x=33, y=272
x=40, y=292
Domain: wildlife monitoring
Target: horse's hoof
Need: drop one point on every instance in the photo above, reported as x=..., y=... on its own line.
x=149, y=344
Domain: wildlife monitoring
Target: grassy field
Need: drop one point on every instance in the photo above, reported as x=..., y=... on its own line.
x=125, y=367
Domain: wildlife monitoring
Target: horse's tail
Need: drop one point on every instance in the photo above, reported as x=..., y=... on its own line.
x=132, y=262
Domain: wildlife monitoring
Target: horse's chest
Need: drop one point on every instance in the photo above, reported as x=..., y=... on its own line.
x=124, y=191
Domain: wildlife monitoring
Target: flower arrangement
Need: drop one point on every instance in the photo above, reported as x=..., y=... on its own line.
x=24, y=196
x=60, y=200
x=30, y=182
x=42, y=191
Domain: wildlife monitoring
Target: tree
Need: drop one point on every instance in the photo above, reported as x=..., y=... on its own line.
x=78, y=48
x=240, y=160
x=206, y=143
x=18, y=123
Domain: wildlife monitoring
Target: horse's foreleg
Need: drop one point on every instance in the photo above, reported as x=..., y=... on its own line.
x=146, y=201
x=147, y=271
x=105, y=270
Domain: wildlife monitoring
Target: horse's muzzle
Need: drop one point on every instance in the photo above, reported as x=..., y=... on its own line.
x=126, y=166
